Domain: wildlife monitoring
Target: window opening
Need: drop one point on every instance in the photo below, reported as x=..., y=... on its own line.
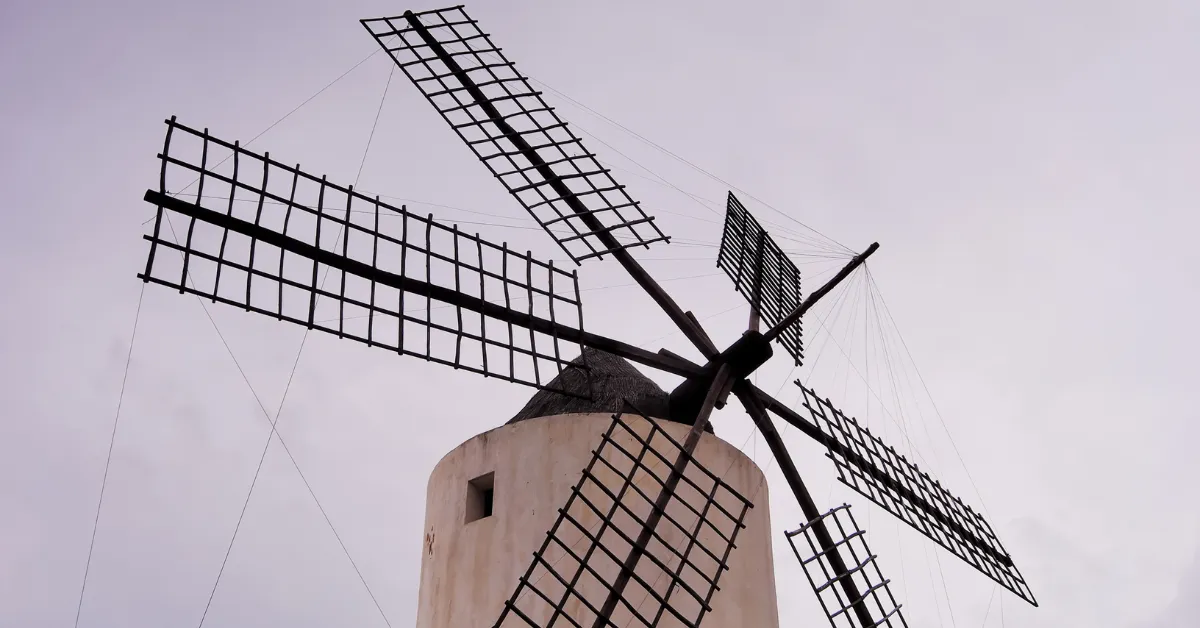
x=480, y=497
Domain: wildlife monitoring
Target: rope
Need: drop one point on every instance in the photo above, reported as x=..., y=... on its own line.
x=989, y=606
x=929, y=395
x=277, y=122
x=279, y=412
x=374, y=125
x=887, y=359
x=836, y=247
x=942, y=574
x=684, y=161
x=108, y=460
x=932, y=586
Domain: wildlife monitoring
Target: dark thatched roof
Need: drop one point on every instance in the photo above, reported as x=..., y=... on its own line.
x=613, y=380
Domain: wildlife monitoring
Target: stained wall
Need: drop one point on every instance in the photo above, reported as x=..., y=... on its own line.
x=469, y=569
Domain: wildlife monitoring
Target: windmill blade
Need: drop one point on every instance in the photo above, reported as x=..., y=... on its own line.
x=876, y=471
x=523, y=142
x=258, y=234
x=581, y=575
x=761, y=272
x=514, y=132
x=864, y=571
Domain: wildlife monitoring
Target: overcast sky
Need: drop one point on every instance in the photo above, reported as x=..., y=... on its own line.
x=1029, y=169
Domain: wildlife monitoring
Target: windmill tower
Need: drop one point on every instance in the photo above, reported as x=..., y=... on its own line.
x=634, y=513
x=486, y=495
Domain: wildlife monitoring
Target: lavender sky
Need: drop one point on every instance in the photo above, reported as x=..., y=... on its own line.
x=1029, y=169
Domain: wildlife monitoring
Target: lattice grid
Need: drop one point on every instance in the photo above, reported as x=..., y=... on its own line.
x=514, y=132
x=255, y=233
x=879, y=473
x=747, y=254
x=574, y=571
x=849, y=542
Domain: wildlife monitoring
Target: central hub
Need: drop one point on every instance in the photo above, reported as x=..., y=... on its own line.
x=743, y=357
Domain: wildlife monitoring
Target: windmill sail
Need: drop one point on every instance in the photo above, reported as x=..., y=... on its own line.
x=850, y=541
x=580, y=562
x=509, y=126
x=761, y=272
x=255, y=233
x=879, y=473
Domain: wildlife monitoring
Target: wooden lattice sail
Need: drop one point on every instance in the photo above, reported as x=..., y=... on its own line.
x=611, y=505
x=862, y=569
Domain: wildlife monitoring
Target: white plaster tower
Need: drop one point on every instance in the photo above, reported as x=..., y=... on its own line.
x=492, y=501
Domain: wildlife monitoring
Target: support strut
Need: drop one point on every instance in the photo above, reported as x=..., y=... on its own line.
x=758, y=413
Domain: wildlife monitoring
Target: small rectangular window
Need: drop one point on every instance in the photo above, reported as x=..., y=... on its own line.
x=480, y=497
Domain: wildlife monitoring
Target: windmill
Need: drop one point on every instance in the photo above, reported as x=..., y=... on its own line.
x=410, y=284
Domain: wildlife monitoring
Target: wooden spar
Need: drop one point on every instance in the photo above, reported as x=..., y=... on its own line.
x=665, y=362
x=758, y=413
x=664, y=496
x=787, y=321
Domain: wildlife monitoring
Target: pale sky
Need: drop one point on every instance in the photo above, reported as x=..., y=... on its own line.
x=1028, y=169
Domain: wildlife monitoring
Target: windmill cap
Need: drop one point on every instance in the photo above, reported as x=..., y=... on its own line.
x=613, y=380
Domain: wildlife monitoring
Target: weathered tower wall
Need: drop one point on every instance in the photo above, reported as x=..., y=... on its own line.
x=471, y=564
